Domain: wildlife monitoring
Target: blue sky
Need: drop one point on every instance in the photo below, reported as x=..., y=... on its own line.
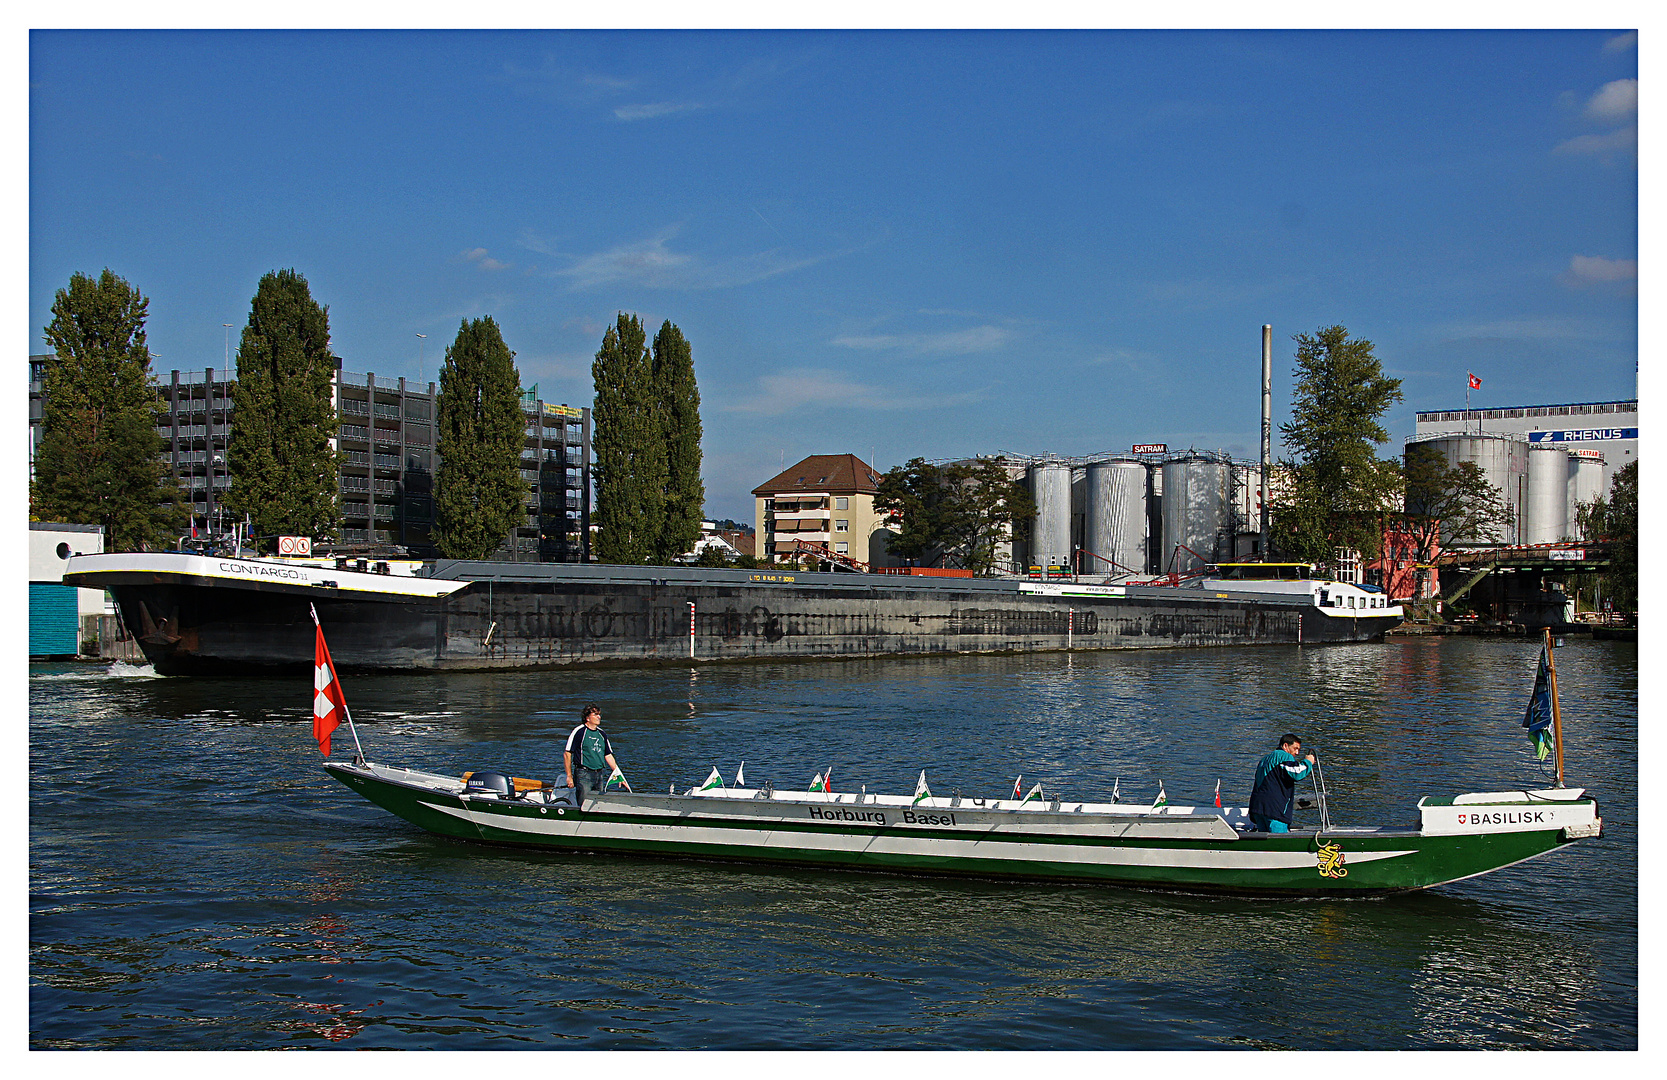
x=886, y=243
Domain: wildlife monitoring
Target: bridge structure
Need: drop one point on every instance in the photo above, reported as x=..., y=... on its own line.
x=1522, y=583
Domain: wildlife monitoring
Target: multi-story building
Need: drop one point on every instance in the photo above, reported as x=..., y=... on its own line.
x=826, y=499
x=386, y=459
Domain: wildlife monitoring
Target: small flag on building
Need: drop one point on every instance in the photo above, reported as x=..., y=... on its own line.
x=1475, y=383
x=1033, y=793
x=1218, y=794
x=921, y=790
x=716, y=780
x=1162, y=799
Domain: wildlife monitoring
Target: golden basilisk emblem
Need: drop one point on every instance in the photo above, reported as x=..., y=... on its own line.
x=1331, y=861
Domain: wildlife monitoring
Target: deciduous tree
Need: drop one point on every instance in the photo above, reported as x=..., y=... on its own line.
x=679, y=399
x=478, y=493
x=98, y=458
x=283, y=470
x=629, y=442
x=1340, y=488
x=957, y=513
x=1444, y=500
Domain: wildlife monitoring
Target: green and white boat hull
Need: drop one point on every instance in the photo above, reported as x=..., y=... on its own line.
x=1195, y=849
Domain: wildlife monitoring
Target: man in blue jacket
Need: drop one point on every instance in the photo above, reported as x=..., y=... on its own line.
x=1276, y=784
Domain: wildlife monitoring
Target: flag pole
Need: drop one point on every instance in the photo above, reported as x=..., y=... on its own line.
x=360, y=760
x=1556, y=712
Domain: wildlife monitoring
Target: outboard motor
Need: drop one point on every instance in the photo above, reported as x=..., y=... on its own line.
x=489, y=783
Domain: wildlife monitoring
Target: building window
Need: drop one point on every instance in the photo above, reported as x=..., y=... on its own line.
x=842, y=548
x=841, y=525
x=842, y=502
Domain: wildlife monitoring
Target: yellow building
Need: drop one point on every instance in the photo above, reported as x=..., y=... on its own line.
x=825, y=500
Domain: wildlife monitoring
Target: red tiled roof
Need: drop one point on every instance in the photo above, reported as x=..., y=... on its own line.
x=740, y=541
x=823, y=472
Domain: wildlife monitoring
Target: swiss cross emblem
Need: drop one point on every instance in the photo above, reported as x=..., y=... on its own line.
x=323, y=703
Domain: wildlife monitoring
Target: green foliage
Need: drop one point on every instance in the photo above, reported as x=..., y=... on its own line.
x=679, y=401
x=1339, y=487
x=97, y=461
x=283, y=471
x=1620, y=527
x=1451, y=500
x=955, y=513
x=478, y=494
x=630, y=448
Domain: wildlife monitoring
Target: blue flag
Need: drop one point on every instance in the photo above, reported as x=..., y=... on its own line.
x=1538, y=718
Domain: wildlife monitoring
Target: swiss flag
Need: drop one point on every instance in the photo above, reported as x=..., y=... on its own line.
x=328, y=703
x=1475, y=383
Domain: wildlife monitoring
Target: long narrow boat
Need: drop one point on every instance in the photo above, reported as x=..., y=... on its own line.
x=1205, y=849
x=1200, y=849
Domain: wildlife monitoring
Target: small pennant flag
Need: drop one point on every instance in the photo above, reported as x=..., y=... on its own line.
x=1538, y=718
x=1033, y=793
x=1115, y=793
x=1162, y=799
x=328, y=705
x=740, y=775
x=1016, y=780
x=713, y=781
x=1475, y=383
x=827, y=779
x=617, y=777
x=818, y=784
x=921, y=790
x=1218, y=794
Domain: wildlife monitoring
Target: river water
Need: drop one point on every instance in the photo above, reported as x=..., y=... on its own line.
x=196, y=881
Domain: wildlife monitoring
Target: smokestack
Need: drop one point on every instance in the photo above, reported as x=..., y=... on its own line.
x=1267, y=425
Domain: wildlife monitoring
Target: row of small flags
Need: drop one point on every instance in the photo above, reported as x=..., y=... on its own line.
x=823, y=782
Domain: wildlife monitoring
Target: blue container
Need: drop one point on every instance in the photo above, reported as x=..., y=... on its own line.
x=54, y=629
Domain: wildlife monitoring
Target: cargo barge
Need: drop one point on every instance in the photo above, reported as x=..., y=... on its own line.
x=206, y=614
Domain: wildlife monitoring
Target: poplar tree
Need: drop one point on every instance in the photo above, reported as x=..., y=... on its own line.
x=679, y=397
x=630, y=448
x=478, y=493
x=98, y=459
x=1341, y=489
x=282, y=468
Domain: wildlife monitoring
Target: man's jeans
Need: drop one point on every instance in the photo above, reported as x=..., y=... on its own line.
x=590, y=782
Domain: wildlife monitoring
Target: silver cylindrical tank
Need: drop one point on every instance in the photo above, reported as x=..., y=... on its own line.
x=1546, y=519
x=1585, y=485
x=1115, y=497
x=1197, y=515
x=1050, y=486
x=1504, y=462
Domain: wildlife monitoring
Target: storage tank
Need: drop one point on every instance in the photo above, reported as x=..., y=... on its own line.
x=1585, y=484
x=1504, y=462
x=1115, y=506
x=1546, y=517
x=1196, y=513
x=1050, y=540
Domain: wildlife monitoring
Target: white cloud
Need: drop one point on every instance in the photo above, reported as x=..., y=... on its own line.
x=803, y=388
x=1615, y=102
x=654, y=109
x=654, y=264
x=1593, y=271
x=951, y=343
x=479, y=257
x=1621, y=42
x=1609, y=142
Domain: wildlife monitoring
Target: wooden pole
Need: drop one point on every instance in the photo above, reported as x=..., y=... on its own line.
x=1556, y=712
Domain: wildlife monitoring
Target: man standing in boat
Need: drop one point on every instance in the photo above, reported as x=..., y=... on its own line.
x=1276, y=783
x=589, y=756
